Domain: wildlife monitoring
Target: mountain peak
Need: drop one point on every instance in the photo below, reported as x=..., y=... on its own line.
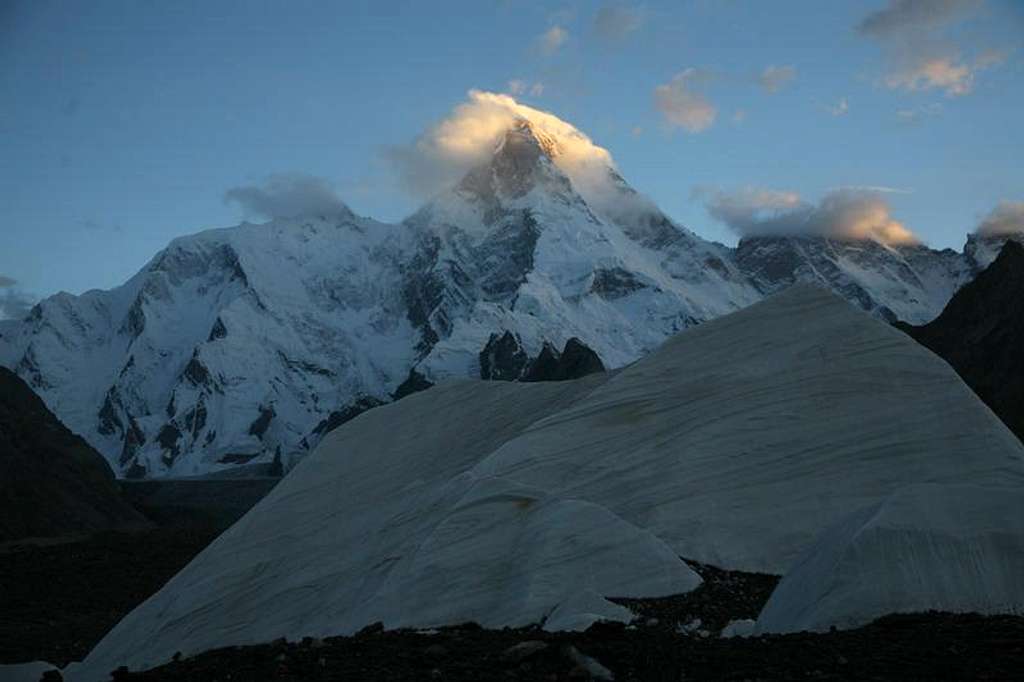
x=523, y=158
x=523, y=136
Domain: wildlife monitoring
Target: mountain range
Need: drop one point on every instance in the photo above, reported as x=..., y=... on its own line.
x=243, y=346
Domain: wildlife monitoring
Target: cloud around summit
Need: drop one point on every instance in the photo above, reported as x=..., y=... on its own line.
x=1005, y=219
x=843, y=213
x=467, y=136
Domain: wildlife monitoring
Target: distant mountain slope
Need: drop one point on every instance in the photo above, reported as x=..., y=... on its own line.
x=244, y=345
x=891, y=282
x=981, y=334
x=52, y=482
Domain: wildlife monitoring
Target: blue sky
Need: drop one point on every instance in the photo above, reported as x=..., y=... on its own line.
x=123, y=124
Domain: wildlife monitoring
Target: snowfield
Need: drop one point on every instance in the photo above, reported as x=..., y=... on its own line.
x=736, y=443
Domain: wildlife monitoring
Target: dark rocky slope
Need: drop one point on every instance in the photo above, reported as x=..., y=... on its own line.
x=57, y=600
x=52, y=483
x=981, y=334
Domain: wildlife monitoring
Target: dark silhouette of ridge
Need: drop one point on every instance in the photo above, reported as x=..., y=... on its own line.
x=52, y=483
x=981, y=335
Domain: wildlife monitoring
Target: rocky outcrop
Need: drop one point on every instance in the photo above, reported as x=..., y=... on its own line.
x=575, y=361
x=415, y=383
x=503, y=358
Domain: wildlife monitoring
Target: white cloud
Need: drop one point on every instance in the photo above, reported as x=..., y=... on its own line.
x=918, y=114
x=921, y=56
x=614, y=23
x=845, y=213
x=682, y=105
x=288, y=195
x=774, y=78
x=840, y=108
x=440, y=156
x=552, y=40
x=1006, y=218
x=946, y=73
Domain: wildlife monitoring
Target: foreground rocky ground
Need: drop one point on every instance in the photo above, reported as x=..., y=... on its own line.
x=908, y=647
x=58, y=600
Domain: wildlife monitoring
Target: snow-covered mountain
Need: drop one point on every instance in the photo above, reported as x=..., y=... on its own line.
x=243, y=345
x=229, y=347
x=907, y=282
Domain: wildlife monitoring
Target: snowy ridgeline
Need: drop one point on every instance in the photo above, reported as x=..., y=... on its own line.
x=242, y=346
x=798, y=432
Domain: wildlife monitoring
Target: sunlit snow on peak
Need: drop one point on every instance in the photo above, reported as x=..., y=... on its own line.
x=471, y=133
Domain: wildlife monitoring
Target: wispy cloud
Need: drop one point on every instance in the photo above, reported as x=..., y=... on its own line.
x=518, y=87
x=840, y=108
x=914, y=35
x=900, y=16
x=844, y=213
x=288, y=195
x=1006, y=218
x=615, y=23
x=552, y=40
x=683, y=105
x=881, y=189
x=773, y=78
x=918, y=114
x=14, y=303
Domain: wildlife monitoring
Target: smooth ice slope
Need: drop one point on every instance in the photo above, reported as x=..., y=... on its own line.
x=737, y=441
x=387, y=522
x=736, y=444
x=948, y=548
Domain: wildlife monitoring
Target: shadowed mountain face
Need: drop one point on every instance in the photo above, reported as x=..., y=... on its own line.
x=981, y=334
x=52, y=482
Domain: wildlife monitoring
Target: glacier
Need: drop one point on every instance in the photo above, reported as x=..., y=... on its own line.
x=515, y=503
